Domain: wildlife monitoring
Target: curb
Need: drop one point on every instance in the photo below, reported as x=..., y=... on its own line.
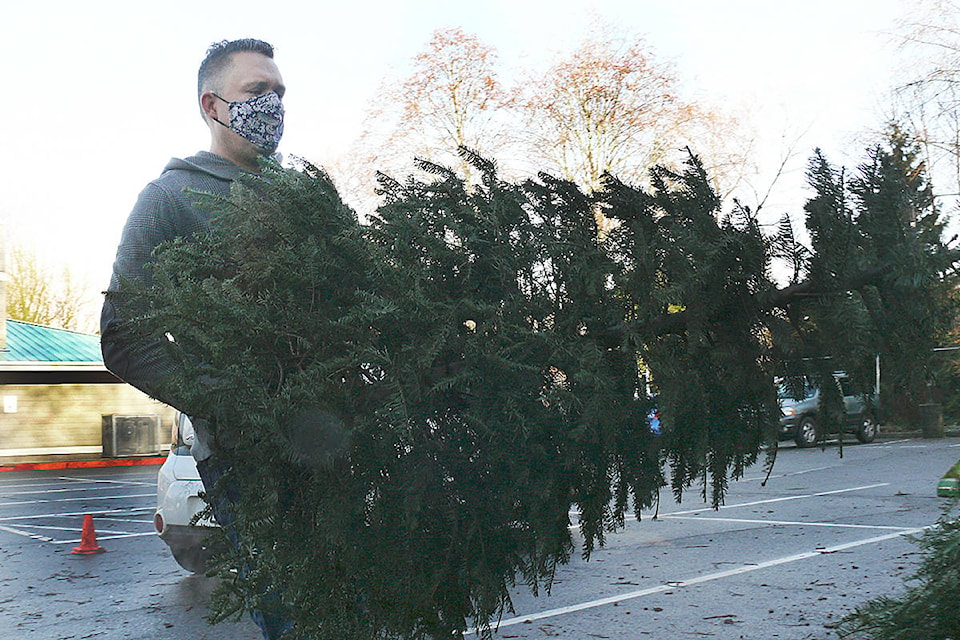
x=80, y=464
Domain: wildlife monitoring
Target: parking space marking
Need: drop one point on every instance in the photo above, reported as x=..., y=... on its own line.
x=788, y=523
x=81, y=499
x=61, y=525
x=25, y=485
x=108, y=536
x=98, y=514
x=123, y=519
x=110, y=525
x=85, y=487
x=105, y=481
x=8, y=494
x=755, y=503
x=26, y=534
x=762, y=478
x=689, y=582
x=47, y=527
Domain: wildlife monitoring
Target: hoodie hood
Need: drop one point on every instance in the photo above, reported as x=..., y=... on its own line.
x=205, y=162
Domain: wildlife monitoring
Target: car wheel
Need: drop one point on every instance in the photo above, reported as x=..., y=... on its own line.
x=806, y=433
x=867, y=431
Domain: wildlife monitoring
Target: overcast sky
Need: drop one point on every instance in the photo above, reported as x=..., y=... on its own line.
x=99, y=95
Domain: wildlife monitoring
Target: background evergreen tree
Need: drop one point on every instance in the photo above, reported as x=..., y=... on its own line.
x=898, y=212
x=420, y=403
x=903, y=230
x=876, y=241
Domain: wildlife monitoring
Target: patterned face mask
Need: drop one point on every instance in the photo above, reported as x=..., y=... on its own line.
x=259, y=120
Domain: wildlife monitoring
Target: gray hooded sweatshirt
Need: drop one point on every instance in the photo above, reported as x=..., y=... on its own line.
x=162, y=213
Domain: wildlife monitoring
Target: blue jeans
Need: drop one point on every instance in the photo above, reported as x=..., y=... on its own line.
x=211, y=471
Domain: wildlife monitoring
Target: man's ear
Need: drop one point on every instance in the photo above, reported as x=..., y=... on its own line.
x=208, y=104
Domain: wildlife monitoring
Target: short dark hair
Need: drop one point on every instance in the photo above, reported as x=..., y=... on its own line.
x=218, y=57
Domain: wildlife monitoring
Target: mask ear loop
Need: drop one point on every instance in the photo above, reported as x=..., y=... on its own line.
x=215, y=119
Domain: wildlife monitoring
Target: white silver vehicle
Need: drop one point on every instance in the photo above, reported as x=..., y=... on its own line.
x=178, y=503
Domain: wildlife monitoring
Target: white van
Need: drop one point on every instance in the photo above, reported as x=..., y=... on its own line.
x=179, y=504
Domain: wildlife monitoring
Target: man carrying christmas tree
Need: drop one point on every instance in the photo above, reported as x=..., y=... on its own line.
x=240, y=92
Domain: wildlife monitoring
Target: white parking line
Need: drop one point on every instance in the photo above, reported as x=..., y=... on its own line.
x=92, y=498
x=9, y=494
x=788, y=523
x=45, y=527
x=101, y=538
x=98, y=514
x=785, y=475
x=106, y=533
x=755, y=503
x=689, y=582
x=105, y=481
x=26, y=485
x=32, y=536
x=81, y=485
x=108, y=519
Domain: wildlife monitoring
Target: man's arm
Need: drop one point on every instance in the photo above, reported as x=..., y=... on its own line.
x=139, y=362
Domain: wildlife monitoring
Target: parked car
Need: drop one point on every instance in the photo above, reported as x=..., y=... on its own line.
x=798, y=419
x=179, y=501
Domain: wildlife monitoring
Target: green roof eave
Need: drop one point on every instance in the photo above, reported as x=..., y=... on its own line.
x=39, y=345
x=33, y=365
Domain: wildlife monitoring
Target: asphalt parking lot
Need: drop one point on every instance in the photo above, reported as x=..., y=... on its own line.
x=134, y=589
x=784, y=560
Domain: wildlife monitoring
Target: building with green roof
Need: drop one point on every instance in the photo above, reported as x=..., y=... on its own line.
x=59, y=401
x=28, y=347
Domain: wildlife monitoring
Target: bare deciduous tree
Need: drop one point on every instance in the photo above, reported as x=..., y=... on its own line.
x=611, y=107
x=928, y=99
x=452, y=98
x=605, y=107
x=38, y=295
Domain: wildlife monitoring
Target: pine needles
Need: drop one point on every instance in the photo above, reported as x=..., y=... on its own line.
x=416, y=406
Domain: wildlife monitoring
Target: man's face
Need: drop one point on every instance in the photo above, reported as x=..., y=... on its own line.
x=248, y=75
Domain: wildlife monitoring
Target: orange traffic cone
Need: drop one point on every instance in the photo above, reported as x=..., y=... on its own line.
x=88, y=539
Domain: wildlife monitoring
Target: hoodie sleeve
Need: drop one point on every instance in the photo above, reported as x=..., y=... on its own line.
x=142, y=364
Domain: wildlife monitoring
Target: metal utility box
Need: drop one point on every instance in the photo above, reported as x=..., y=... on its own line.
x=128, y=436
